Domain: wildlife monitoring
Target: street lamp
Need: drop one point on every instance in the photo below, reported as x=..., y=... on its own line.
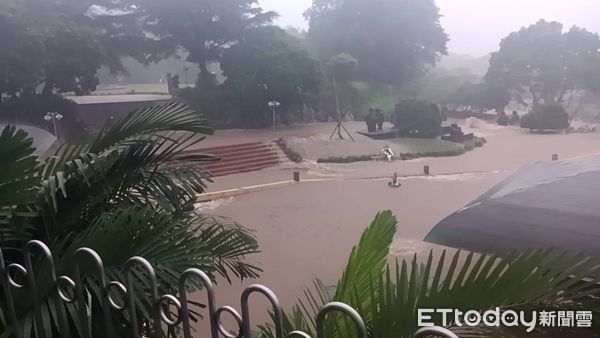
x=53, y=116
x=274, y=104
x=185, y=72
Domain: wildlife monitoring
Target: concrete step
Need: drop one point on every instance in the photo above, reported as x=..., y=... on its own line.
x=233, y=161
x=245, y=154
x=222, y=158
x=230, y=149
x=238, y=158
x=265, y=161
x=243, y=169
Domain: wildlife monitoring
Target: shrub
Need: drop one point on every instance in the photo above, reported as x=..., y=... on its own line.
x=546, y=117
x=503, y=120
x=417, y=118
x=347, y=159
x=291, y=154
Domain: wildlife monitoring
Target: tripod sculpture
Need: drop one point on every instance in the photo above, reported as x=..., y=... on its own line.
x=338, y=128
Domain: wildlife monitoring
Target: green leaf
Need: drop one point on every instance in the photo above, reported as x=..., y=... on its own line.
x=388, y=299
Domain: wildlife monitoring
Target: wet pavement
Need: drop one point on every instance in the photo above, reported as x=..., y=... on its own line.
x=307, y=230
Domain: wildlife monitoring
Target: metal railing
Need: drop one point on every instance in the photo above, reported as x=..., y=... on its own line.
x=72, y=291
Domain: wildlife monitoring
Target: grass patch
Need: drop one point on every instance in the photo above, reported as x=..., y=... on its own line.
x=477, y=142
x=347, y=159
x=291, y=154
x=423, y=145
x=447, y=149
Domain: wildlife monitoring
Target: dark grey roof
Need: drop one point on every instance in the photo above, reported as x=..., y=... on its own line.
x=125, y=98
x=545, y=204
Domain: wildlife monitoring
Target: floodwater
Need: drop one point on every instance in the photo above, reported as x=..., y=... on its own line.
x=307, y=230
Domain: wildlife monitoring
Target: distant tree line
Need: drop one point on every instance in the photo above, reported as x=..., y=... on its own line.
x=53, y=47
x=543, y=62
x=244, y=61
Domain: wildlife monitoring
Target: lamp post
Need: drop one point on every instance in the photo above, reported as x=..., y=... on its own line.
x=274, y=104
x=185, y=73
x=53, y=116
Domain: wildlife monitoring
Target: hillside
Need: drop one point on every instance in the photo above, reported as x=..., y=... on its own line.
x=477, y=65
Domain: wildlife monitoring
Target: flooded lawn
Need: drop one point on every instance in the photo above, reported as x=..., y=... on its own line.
x=307, y=230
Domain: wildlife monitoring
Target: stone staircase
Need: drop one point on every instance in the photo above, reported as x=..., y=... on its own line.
x=241, y=158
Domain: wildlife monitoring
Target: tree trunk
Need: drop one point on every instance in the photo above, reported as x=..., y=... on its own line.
x=548, y=97
x=338, y=112
x=205, y=76
x=561, y=96
x=205, y=79
x=198, y=56
x=48, y=87
x=535, y=98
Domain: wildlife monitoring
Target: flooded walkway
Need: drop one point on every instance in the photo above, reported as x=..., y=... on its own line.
x=307, y=230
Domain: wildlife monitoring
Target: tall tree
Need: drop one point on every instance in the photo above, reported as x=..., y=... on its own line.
x=341, y=69
x=65, y=43
x=393, y=40
x=481, y=95
x=267, y=64
x=204, y=28
x=547, y=62
x=20, y=64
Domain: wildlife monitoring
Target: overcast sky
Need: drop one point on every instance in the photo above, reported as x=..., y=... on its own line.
x=475, y=27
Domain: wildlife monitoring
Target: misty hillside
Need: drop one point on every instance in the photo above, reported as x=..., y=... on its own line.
x=477, y=65
x=152, y=73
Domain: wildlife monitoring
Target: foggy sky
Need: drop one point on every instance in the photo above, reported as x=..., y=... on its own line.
x=475, y=27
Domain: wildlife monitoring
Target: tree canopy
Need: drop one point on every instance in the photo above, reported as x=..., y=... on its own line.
x=547, y=62
x=203, y=28
x=481, y=95
x=267, y=64
x=128, y=192
x=61, y=45
x=546, y=117
x=363, y=29
x=416, y=118
x=20, y=64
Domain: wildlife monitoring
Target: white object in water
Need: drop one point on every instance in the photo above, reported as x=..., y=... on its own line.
x=394, y=182
x=388, y=153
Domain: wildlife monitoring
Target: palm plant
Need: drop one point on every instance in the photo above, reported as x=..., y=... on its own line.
x=130, y=191
x=389, y=295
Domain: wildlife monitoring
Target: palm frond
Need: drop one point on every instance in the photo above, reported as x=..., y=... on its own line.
x=18, y=184
x=19, y=187
x=367, y=259
x=534, y=279
x=132, y=188
x=64, y=155
x=79, y=182
x=170, y=244
x=388, y=298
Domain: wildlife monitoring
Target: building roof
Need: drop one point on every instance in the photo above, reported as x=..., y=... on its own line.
x=546, y=204
x=107, y=99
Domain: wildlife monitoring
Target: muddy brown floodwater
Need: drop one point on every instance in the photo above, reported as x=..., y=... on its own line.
x=306, y=231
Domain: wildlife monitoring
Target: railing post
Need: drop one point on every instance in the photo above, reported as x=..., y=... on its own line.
x=131, y=263
x=80, y=289
x=158, y=314
x=210, y=292
x=277, y=311
x=39, y=323
x=434, y=331
x=4, y=277
x=345, y=308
